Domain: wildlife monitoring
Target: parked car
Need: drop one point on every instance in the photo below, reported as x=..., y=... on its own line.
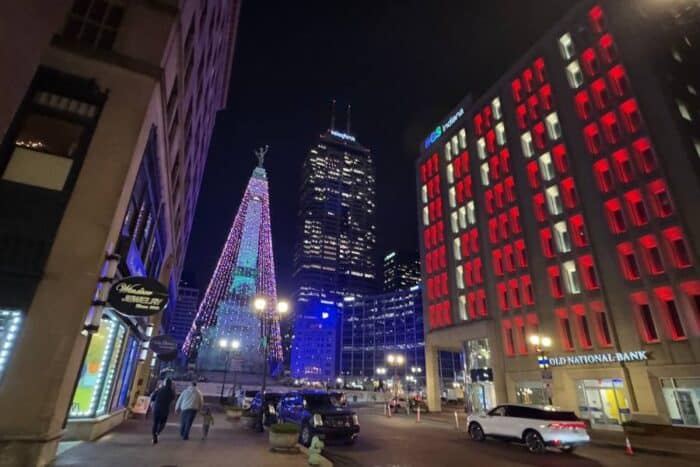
x=318, y=413
x=339, y=396
x=248, y=397
x=269, y=408
x=537, y=427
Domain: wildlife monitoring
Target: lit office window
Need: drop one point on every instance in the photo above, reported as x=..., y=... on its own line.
x=471, y=213
x=485, y=174
x=561, y=237
x=462, y=138
x=448, y=152
x=459, y=275
x=453, y=197
x=481, y=148
x=571, y=278
x=566, y=46
x=546, y=167
x=526, y=144
x=454, y=223
x=553, y=127
x=496, y=108
x=574, y=75
x=462, y=217
x=455, y=145
x=10, y=324
x=554, y=204
x=501, y=134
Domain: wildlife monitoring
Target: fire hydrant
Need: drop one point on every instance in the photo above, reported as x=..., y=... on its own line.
x=315, y=449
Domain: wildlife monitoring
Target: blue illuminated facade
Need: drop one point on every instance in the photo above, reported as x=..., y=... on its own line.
x=314, y=347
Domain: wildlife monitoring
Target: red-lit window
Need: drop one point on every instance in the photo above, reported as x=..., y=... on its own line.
x=471, y=304
x=599, y=92
x=561, y=160
x=567, y=338
x=431, y=289
x=661, y=199
x=668, y=304
x=521, y=253
x=468, y=187
x=596, y=19
x=545, y=93
x=591, y=66
x=592, y=137
x=533, y=109
x=459, y=192
x=613, y=212
x=636, y=207
x=691, y=290
x=474, y=240
x=528, y=294
x=618, y=80
x=465, y=161
x=478, y=124
x=481, y=302
x=486, y=112
x=478, y=275
x=647, y=327
x=590, y=278
x=607, y=49
x=677, y=247
x=488, y=198
x=508, y=338
x=431, y=312
x=522, y=341
x=611, y=128
x=644, y=154
x=426, y=239
x=508, y=259
x=628, y=261
x=498, y=194
x=503, y=225
x=497, y=257
x=569, y=192
x=443, y=278
x=584, y=330
x=538, y=133
x=527, y=79
x=533, y=174
x=583, y=105
x=423, y=173
x=555, y=285
x=447, y=314
x=493, y=230
x=457, y=168
x=603, y=175
x=547, y=242
x=631, y=116
x=578, y=230
x=538, y=202
x=442, y=257
x=502, y=293
x=491, y=141
x=652, y=254
x=521, y=116
x=602, y=325
x=510, y=189
x=538, y=66
x=517, y=88
x=468, y=274
x=505, y=161
x=514, y=214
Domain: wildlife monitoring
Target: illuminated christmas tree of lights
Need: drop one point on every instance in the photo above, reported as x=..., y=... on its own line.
x=245, y=270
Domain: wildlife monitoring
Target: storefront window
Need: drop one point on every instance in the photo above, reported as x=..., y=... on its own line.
x=125, y=379
x=481, y=393
x=10, y=323
x=531, y=393
x=682, y=397
x=111, y=370
x=603, y=402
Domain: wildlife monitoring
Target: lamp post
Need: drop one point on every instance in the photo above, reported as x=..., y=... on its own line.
x=395, y=361
x=260, y=306
x=541, y=344
x=229, y=347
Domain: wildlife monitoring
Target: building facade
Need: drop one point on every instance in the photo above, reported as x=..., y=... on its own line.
x=336, y=236
x=106, y=149
x=185, y=311
x=561, y=204
x=401, y=270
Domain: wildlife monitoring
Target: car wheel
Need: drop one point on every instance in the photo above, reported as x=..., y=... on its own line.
x=568, y=449
x=305, y=436
x=476, y=432
x=535, y=443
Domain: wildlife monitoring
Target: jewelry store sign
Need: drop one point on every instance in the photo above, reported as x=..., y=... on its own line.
x=598, y=358
x=138, y=296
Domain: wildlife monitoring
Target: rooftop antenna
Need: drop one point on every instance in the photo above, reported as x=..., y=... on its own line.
x=260, y=154
x=333, y=114
x=348, y=122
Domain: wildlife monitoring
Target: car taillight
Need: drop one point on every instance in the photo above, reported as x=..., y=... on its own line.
x=567, y=426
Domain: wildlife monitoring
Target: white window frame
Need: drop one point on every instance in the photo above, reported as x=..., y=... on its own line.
x=484, y=170
x=450, y=174
x=572, y=281
x=553, y=126
x=481, y=148
x=574, y=75
x=426, y=216
x=527, y=145
x=424, y=194
x=562, y=239
x=454, y=224
x=496, y=108
x=459, y=276
x=554, y=201
x=453, y=197
x=566, y=46
x=462, y=212
x=462, y=138
x=500, y=133
x=457, y=248
x=471, y=213
x=455, y=145
x=546, y=167
x=448, y=152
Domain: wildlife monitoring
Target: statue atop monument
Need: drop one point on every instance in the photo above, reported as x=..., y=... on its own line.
x=260, y=154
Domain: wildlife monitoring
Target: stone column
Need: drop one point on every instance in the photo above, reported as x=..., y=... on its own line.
x=432, y=376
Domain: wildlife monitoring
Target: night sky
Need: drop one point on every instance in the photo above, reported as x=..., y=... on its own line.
x=402, y=65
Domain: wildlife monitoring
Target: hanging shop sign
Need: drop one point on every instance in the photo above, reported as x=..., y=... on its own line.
x=138, y=296
x=163, y=345
x=598, y=358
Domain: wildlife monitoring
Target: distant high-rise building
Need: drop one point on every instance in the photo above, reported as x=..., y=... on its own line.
x=106, y=121
x=401, y=270
x=335, y=250
x=185, y=311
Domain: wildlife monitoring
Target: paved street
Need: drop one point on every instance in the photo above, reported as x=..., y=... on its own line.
x=400, y=442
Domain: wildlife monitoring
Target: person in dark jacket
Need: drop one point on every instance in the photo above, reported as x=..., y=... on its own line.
x=160, y=402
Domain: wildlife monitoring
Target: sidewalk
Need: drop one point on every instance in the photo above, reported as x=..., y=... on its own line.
x=130, y=445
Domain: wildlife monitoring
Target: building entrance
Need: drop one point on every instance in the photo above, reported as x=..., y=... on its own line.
x=481, y=397
x=603, y=402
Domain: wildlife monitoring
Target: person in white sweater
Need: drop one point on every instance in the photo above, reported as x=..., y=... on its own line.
x=189, y=403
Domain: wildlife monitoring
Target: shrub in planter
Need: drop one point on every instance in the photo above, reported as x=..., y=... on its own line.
x=284, y=436
x=233, y=413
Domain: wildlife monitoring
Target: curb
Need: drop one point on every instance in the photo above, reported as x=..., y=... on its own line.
x=645, y=450
x=324, y=460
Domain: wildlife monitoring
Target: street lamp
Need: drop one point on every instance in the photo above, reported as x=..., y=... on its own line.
x=229, y=347
x=395, y=361
x=260, y=305
x=541, y=344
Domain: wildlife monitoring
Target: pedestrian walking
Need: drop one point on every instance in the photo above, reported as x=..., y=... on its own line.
x=161, y=399
x=189, y=403
x=207, y=421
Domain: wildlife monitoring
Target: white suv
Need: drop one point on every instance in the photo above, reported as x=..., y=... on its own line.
x=537, y=427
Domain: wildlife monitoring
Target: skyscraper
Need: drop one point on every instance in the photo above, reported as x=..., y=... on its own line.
x=335, y=250
x=245, y=269
x=401, y=270
x=182, y=317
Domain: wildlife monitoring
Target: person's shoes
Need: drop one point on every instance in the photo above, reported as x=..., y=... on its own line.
x=155, y=439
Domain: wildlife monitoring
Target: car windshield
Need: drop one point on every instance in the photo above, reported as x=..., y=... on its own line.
x=321, y=401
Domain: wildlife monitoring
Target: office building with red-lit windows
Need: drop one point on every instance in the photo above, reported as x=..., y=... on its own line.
x=560, y=208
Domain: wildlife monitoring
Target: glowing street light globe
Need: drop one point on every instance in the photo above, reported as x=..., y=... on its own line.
x=282, y=307
x=223, y=343
x=235, y=344
x=259, y=304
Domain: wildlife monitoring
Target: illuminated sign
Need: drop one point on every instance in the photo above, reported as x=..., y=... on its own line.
x=440, y=129
x=592, y=359
x=138, y=296
x=341, y=135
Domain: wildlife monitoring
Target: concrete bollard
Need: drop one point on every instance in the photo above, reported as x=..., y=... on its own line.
x=456, y=421
x=418, y=415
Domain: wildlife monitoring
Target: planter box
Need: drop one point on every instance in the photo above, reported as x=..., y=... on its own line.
x=234, y=414
x=284, y=441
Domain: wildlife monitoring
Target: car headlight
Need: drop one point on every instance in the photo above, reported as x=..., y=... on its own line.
x=355, y=420
x=317, y=419
x=271, y=409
